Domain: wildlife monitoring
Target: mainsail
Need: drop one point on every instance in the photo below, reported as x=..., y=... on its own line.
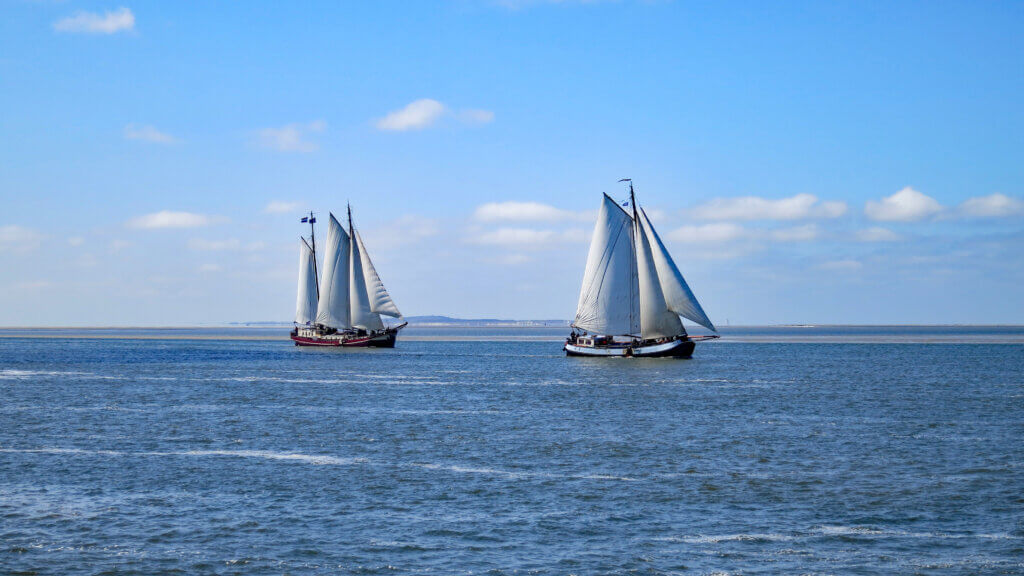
x=363, y=315
x=675, y=291
x=631, y=285
x=305, y=306
x=333, y=309
x=608, y=300
x=656, y=320
x=379, y=299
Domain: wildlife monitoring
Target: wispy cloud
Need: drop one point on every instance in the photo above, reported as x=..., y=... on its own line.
x=529, y=237
x=799, y=207
x=415, y=116
x=992, y=206
x=169, y=219
x=76, y=241
x=426, y=112
x=841, y=266
x=15, y=238
x=476, y=116
x=147, y=133
x=110, y=22
x=722, y=232
x=279, y=207
x=291, y=137
x=907, y=205
x=526, y=212
x=204, y=245
x=877, y=234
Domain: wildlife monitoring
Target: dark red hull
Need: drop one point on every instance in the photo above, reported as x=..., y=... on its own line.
x=385, y=339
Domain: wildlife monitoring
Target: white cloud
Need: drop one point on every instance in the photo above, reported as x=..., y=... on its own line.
x=210, y=268
x=907, y=205
x=169, y=219
x=471, y=116
x=204, y=245
x=278, y=207
x=76, y=241
x=15, y=238
x=291, y=137
x=799, y=207
x=707, y=233
x=992, y=206
x=402, y=231
x=877, y=234
x=415, y=116
x=526, y=212
x=530, y=238
x=110, y=22
x=842, y=266
x=147, y=134
x=796, y=234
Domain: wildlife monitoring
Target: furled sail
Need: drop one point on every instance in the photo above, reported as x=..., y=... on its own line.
x=608, y=299
x=656, y=320
x=676, y=294
x=363, y=315
x=305, y=306
x=333, y=309
x=380, y=300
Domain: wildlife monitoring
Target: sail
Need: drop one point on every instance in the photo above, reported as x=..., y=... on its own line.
x=676, y=293
x=305, y=305
x=333, y=310
x=380, y=300
x=656, y=320
x=608, y=299
x=362, y=314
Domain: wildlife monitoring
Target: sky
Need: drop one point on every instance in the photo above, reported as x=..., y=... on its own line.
x=805, y=162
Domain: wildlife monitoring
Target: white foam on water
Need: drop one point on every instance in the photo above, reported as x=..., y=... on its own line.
x=12, y=374
x=715, y=539
x=519, y=474
x=319, y=459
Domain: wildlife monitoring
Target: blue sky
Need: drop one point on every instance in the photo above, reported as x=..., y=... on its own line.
x=805, y=162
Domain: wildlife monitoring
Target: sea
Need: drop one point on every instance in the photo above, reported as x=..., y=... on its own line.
x=775, y=450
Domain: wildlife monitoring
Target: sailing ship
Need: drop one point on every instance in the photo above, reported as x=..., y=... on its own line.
x=633, y=290
x=343, y=308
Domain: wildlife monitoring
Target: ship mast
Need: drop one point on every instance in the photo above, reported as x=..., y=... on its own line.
x=632, y=204
x=312, y=237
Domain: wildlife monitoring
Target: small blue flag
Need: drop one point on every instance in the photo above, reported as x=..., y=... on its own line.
x=305, y=219
x=626, y=203
x=312, y=220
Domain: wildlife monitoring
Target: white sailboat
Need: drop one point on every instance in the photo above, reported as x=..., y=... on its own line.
x=345, y=307
x=632, y=289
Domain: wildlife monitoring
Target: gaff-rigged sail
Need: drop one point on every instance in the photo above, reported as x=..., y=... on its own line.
x=306, y=303
x=333, y=309
x=608, y=299
x=676, y=293
x=362, y=315
x=379, y=299
x=656, y=320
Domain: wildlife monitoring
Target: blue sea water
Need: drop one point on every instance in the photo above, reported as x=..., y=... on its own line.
x=827, y=451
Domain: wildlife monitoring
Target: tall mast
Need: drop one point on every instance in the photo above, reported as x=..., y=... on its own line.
x=350, y=232
x=632, y=203
x=312, y=236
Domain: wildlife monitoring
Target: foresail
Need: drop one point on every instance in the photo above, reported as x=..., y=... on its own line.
x=361, y=314
x=608, y=299
x=380, y=300
x=676, y=292
x=656, y=320
x=305, y=305
x=333, y=309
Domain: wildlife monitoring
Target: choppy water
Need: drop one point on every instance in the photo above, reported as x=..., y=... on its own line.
x=126, y=455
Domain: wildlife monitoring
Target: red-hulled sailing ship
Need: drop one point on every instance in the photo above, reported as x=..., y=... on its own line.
x=633, y=294
x=343, y=308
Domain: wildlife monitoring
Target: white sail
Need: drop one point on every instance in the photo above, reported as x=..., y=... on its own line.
x=333, y=309
x=676, y=293
x=380, y=300
x=362, y=314
x=656, y=320
x=608, y=299
x=305, y=305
